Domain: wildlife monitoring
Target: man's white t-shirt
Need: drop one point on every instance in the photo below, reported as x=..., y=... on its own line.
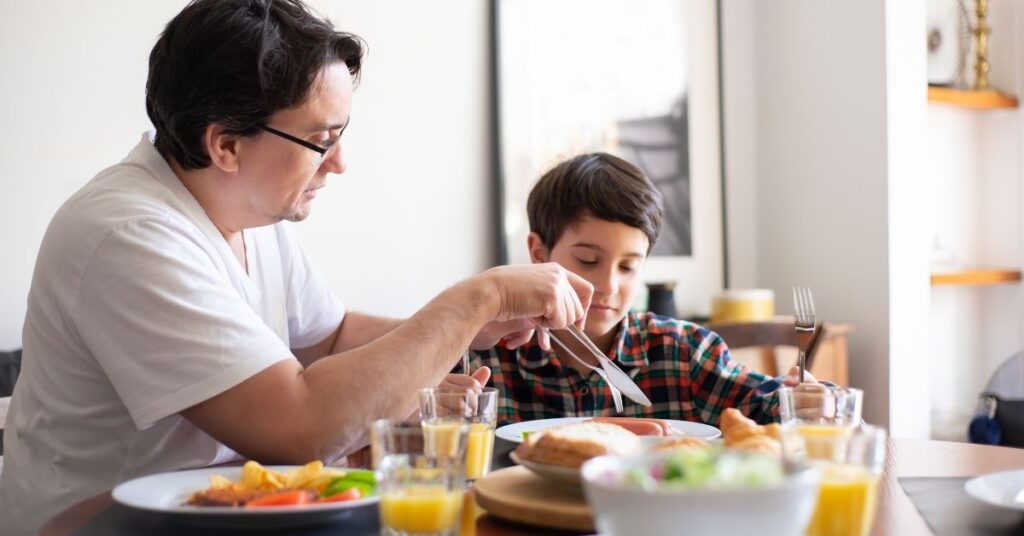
x=138, y=310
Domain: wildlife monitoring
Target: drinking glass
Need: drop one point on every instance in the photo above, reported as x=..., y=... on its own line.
x=851, y=465
x=420, y=494
x=403, y=437
x=819, y=411
x=443, y=411
x=819, y=404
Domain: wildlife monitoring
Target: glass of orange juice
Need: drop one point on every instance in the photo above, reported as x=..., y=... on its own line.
x=851, y=465
x=420, y=494
x=442, y=412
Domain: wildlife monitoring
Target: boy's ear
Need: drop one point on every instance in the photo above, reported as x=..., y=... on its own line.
x=222, y=147
x=538, y=251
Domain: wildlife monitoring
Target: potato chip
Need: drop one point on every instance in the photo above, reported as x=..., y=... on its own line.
x=298, y=478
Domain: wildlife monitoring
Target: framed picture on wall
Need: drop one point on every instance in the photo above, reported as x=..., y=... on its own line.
x=635, y=79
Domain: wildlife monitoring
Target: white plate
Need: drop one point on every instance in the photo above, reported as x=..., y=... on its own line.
x=166, y=493
x=514, y=431
x=1005, y=489
x=569, y=476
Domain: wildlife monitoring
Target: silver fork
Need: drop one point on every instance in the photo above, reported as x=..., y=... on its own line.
x=803, y=305
x=616, y=394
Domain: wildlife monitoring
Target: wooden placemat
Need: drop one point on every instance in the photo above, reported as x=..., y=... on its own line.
x=518, y=495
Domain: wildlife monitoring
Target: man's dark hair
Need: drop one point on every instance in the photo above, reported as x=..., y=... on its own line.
x=604, y=186
x=236, y=62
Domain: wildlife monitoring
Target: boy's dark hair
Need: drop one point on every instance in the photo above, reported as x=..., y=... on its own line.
x=605, y=186
x=236, y=62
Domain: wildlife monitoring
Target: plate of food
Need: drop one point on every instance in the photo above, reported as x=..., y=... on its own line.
x=1004, y=489
x=252, y=495
x=643, y=427
x=556, y=453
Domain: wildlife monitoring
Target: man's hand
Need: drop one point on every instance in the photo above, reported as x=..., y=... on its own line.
x=515, y=332
x=545, y=294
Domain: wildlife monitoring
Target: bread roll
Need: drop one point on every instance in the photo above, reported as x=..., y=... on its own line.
x=573, y=444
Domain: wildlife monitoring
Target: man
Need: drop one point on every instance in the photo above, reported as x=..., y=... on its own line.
x=173, y=320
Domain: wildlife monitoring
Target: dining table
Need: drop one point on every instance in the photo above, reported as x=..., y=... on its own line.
x=938, y=467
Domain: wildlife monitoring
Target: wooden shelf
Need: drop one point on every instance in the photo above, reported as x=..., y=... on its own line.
x=976, y=277
x=987, y=99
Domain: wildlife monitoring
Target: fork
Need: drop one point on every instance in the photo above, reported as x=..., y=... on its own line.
x=803, y=305
x=616, y=394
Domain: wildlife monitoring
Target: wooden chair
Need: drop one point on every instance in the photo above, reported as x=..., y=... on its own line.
x=5, y=401
x=764, y=340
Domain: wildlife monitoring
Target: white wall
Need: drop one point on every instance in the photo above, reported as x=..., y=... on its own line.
x=908, y=253
x=813, y=193
x=976, y=173
x=408, y=218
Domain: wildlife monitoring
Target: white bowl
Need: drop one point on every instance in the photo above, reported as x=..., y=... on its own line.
x=619, y=509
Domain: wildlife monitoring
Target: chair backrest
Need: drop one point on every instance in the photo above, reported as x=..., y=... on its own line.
x=5, y=402
x=765, y=336
x=10, y=368
x=1008, y=380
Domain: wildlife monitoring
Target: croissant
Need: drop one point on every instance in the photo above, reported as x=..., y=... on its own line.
x=741, y=433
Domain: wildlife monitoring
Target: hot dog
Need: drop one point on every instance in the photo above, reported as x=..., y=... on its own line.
x=648, y=427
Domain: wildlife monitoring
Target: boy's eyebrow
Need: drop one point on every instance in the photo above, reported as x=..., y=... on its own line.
x=599, y=249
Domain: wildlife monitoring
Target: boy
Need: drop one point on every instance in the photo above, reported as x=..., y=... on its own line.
x=599, y=217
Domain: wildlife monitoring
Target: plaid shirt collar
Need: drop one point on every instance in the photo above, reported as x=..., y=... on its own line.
x=532, y=357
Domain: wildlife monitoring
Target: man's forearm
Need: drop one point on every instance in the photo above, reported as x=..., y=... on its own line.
x=358, y=329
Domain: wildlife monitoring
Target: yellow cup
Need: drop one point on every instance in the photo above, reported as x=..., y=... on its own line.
x=743, y=305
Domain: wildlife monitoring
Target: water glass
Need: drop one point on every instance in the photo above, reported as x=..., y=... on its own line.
x=475, y=411
x=819, y=404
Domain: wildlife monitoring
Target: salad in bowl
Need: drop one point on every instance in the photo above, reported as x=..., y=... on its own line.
x=699, y=492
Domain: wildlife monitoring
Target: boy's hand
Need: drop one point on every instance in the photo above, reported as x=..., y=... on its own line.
x=793, y=378
x=462, y=382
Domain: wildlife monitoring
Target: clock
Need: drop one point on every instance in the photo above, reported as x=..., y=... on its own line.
x=949, y=42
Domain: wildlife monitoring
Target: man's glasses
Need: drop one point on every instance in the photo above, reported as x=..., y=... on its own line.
x=322, y=150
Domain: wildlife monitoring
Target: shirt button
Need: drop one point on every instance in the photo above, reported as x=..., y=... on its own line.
x=584, y=390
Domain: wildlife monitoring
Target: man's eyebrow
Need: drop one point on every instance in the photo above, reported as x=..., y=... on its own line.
x=320, y=127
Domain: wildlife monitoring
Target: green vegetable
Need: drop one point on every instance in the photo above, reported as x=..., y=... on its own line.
x=363, y=480
x=525, y=435
x=705, y=469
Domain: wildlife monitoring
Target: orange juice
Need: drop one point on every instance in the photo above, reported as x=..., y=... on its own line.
x=479, y=448
x=847, y=500
x=470, y=512
x=441, y=438
x=421, y=508
x=820, y=439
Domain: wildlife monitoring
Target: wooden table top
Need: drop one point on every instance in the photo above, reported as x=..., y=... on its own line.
x=896, y=513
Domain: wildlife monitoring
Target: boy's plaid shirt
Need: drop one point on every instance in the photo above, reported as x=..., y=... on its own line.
x=685, y=370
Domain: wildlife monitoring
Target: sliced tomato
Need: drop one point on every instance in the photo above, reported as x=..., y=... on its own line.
x=350, y=494
x=285, y=498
